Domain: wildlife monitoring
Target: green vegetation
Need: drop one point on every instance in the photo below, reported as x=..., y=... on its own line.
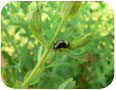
x=29, y=30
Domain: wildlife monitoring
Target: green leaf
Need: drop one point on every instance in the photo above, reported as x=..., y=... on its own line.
x=36, y=27
x=81, y=41
x=69, y=84
x=70, y=8
x=73, y=54
x=37, y=21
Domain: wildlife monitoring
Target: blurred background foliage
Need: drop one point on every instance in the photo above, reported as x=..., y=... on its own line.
x=20, y=48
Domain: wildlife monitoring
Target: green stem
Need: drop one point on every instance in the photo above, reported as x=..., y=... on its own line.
x=36, y=69
x=57, y=32
x=41, y=62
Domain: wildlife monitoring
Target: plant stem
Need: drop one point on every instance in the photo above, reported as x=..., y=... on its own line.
x=36, y=69
x=57, y=31
x=41, y=62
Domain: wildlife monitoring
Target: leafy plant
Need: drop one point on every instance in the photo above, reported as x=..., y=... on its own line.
x=35, y=22
x=28, y=36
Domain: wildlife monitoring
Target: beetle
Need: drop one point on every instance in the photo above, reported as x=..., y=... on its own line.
x=61, y=44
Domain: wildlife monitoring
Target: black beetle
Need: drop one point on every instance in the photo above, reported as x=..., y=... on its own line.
x=61, y=44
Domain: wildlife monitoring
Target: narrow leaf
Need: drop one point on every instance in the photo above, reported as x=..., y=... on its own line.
x=73, y=54
x=70, y=8
x=65, y=84
x=81, y=41
x=36, y=27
